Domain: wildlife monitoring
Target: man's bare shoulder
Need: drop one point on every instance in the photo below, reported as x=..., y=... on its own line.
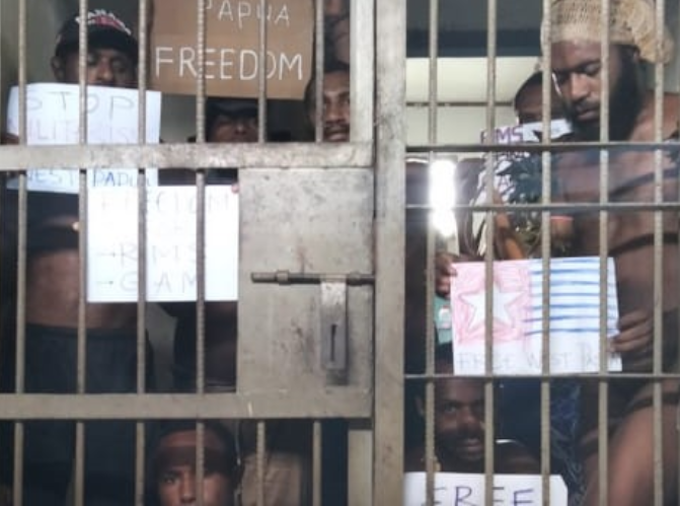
x=644, y=130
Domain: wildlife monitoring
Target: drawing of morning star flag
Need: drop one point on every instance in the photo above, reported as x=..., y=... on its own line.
x=518, y=312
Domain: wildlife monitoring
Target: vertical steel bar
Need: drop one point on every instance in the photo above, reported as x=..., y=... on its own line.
x=79, y=479
x=546, y=193
x=603, y=385
x=319, y=69
x=316, y=463
x=430, y=443
x=140, y=433
x=262, y=76
x=200, y=204
x=489, y=432
x=200, y=244
x=359, y=440
x=658, y=259
x=261, y=449
x=362, y=79
x=18, y=479
x=388, y=452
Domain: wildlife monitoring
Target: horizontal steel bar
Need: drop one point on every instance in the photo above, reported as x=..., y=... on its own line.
x=572, y=208
x=536, y=147
x=309, y=278
x=331, y=403
x=582, y=376
x=241, y=155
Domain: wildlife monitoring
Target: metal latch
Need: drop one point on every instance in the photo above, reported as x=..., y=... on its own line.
x=333, y=332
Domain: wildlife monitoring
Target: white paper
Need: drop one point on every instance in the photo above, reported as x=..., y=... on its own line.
x=518, y=316
x=53, y=118
x=112, y=253
x=457, y=489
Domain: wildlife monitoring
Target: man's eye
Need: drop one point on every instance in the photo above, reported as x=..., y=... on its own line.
x=592, y=70
x=560, y=77
x=119, y=67
x=168, y=478
x=91, y=60
x=449, y=408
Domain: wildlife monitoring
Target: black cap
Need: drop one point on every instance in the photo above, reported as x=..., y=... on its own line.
x=104, y=29
x=239, y=107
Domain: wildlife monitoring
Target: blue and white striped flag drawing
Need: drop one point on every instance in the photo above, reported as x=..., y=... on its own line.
x=518, y=312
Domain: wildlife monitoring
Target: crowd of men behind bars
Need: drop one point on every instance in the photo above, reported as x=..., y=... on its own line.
x=230, y=465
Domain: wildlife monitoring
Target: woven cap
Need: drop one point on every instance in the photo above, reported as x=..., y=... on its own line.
x=631, y=23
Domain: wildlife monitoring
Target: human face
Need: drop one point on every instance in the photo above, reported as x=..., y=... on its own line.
x=530, y=105
x=335, y=107
x=176, y=471
x=459, y=422
x=234, y=128
x=105, y=67
x=577, y=71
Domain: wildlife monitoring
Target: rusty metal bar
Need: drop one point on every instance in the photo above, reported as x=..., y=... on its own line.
x=390, y=48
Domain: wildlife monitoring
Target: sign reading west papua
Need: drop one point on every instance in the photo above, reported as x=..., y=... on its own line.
x=232, y=47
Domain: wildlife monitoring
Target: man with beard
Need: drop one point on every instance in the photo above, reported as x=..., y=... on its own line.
x=577, y=69
x=336, y=112
x=459, y=428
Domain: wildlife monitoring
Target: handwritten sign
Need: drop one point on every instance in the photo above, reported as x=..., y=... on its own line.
x=574, y=324
x=232, y=53
x=53, y=118
x=455, y=489
x=113, y=252
x=528, y=132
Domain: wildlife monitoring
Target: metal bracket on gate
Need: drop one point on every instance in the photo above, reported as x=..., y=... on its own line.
x=334, y=339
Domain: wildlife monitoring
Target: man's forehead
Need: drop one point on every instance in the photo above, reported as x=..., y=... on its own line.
x=336, y=82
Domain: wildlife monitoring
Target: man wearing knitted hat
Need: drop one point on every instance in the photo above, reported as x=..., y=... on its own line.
x=574, y=37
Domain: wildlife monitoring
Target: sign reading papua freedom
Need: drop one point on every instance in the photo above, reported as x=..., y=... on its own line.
x=232, y=48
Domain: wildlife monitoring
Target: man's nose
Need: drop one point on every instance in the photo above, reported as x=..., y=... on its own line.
x=579, y=86
x=104, y=73
x=188, y=489
x=332, y=113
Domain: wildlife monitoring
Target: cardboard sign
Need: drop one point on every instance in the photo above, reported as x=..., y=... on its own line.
x=518, y=316
x=456, y=489
x=53, y=118
x=232, y=54
x=112, y=253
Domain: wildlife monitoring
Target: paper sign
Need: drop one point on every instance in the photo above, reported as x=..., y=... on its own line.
x=518, y=316
x=112, y=253
x=232, y=49
x=53, y=118
x=528, y=132
x=456, y=489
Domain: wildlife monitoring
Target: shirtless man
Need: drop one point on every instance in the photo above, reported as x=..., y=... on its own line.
x=577, y=70
x=52, y=300
x=459, y=428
